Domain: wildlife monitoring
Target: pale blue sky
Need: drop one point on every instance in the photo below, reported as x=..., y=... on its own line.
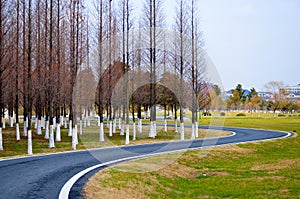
x=251, y=42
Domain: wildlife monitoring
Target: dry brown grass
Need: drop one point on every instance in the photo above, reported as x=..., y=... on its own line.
x=93, y=192
x=178, y=170
x=233, y=148
x=165, y=165
x=282, y=164
x=95, y=189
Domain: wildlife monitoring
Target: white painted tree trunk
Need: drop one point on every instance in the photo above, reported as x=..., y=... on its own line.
x=181, y=131
x=70, y=129
x=43, y=123
x=51, y=138
x=101, y=137
x=110, y=128
x=193, y=132
x=80, y=127
x=154, y=129
x=74, y=139
x=197, y=130
x=18, y=137
x=61, y=120
x=39, y=127
x=1, y=140
x=176, y=126
x=120, y=123
x=54, y=122
x=134, y=131
x=107, y=123
x=150, y=130
x=88, y=121
x=29, y=143
x=166, y=127
x=66, y=123
x=140, y=126
x=122, y=132
x=3, y=123
x=99, y=121
x=47, y=131
x=15, y=118
x=115, y=126
x=25, y=129
x=76, y=134
x=11, y=122
x=26, y=122
x=127, y=135
x=58, y=133
x=36, y=123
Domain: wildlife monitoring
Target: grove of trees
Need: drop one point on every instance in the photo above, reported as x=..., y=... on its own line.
x=240, y=100
x=74, y=57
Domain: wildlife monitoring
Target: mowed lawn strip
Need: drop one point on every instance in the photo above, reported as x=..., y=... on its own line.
x=90, y=140
x=259, y=170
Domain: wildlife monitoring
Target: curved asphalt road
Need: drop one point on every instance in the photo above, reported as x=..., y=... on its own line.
x=44, y=176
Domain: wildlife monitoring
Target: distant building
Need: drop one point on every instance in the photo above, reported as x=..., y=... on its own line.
x=226, y=95
x=267, y=96
x=292, y=92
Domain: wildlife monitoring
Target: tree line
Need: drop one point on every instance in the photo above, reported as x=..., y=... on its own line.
x=274, y=99
x=42, y=49
x=67, y=57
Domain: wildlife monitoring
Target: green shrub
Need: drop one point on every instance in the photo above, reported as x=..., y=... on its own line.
x=241, y=115
x=206, y=114
x=281, y=115
x=222, y=114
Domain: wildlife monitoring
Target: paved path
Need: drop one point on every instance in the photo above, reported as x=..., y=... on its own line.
x=44, y=176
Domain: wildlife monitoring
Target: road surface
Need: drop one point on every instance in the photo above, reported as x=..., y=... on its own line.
x=44, y=176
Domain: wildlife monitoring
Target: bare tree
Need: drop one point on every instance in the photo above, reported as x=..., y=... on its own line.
x=58, y=75
x=25, y=114
x=38, y=68
x=2, y=64
x=17, y=72
x=182, y=28
x=29, y=81
x=100, y=63
x=274, y=87
x=194, y=110
x=153, y=20
x=76, y=55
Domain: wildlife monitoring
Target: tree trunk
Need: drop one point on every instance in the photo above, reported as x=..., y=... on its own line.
x=29, y=63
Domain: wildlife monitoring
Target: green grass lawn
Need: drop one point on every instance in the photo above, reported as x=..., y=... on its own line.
x=256, y=170
x=39, y=144
x=281, y=124
x=89, y=140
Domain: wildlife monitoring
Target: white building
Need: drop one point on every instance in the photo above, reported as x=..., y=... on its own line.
x=268, y=96
x=292, y=92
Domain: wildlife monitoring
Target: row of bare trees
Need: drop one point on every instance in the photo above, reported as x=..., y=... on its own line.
x=43, y=44
x=143, y=45
x=62, y=57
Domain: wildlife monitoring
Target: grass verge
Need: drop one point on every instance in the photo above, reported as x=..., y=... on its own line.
x=89, y=140
x=258, y=170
